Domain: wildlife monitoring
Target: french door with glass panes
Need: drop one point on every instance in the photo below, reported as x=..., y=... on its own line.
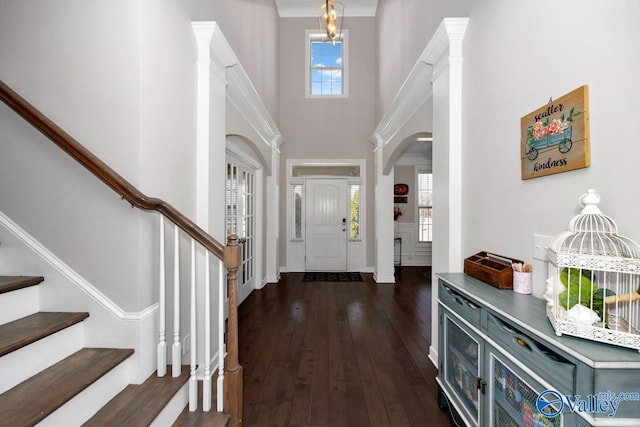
x=240, y=216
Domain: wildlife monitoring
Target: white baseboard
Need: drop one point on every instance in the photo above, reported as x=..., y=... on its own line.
x=286, y=270
x=433, y=355
x=384, y=279
x=272, y=279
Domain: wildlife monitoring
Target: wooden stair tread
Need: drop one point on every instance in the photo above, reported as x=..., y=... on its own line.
x=22, y=332
x=198, y=417
x=202, y=419
x=13, y=283
x=140, y=404
x=34, y=399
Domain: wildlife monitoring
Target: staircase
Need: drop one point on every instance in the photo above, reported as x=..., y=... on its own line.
x=47, y=377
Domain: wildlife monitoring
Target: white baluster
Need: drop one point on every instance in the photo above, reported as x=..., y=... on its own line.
x=206, y=384
x=176, y=356
x=162, y=343
x=193, y=380
x=221, y=297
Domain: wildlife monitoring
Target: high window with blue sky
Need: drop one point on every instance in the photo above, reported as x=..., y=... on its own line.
x=326, y=74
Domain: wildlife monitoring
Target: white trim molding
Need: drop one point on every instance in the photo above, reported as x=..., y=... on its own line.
x=295, y=248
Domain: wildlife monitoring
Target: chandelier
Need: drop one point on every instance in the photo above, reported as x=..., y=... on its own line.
x=330, y=16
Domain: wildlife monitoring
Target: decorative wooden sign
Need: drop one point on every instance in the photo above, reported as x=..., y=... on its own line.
x=555, y=138
x=400, y=189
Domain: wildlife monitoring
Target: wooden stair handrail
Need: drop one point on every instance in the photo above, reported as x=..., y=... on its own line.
x=107, y=175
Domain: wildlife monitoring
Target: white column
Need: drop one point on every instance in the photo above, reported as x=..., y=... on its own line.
x=214, y=55
x=273, y=215
x=203, y=32
x=383, y=271
x=447, y=157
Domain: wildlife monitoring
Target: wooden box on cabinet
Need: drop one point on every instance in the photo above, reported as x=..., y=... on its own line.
x=491, y=268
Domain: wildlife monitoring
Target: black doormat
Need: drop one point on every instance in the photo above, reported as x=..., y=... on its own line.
x=321, y=276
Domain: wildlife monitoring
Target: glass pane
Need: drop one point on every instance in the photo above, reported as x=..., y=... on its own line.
x=462, y=353
x=326, y=68
x=514, y=402
x=316, y=76
x=228, y=194
x=425, y=227
x=325, y=170
x=234, y=194
x=354, y=217
x=425, y=189
x=316, y=54
x=296, y=211
x=425, y=201
x=333, y=53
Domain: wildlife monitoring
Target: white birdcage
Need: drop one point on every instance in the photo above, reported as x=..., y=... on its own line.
x=593, y=289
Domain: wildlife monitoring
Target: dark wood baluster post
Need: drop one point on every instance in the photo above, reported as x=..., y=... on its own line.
x=233, y=370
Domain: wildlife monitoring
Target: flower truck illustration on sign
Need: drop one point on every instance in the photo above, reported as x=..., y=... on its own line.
x=555, y=138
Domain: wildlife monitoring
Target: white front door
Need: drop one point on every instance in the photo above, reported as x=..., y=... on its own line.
x=326, y=220
x=240, y=220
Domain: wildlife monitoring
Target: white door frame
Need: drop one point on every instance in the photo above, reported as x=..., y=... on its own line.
x=295, y=245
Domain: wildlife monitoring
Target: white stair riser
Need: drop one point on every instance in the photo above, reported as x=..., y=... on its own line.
x=23, y=363
x=82, y=407
x=174, y=408
x=17, y=304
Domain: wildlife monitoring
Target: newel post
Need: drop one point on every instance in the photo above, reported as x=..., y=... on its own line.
x=233, y=370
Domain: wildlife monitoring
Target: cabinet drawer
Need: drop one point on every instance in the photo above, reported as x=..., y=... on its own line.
x=459, y=304
x=544, y=362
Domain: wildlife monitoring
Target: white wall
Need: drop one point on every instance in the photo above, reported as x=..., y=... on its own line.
x=515, y=57
x=67, y=60
x=403, y=29
x=119, y=77
x=252, y=28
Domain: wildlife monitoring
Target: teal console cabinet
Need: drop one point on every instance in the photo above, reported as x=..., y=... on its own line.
x=499, y=361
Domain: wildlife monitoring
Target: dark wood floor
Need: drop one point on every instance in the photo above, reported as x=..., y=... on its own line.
x=339, y=353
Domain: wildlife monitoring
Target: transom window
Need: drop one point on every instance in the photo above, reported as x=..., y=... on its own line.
x=326, y=71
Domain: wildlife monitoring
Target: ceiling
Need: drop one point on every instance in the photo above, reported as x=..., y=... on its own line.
x=309, y=8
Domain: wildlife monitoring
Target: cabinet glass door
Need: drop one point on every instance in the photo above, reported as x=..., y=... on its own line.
x=513, y=398
x=462, y=353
